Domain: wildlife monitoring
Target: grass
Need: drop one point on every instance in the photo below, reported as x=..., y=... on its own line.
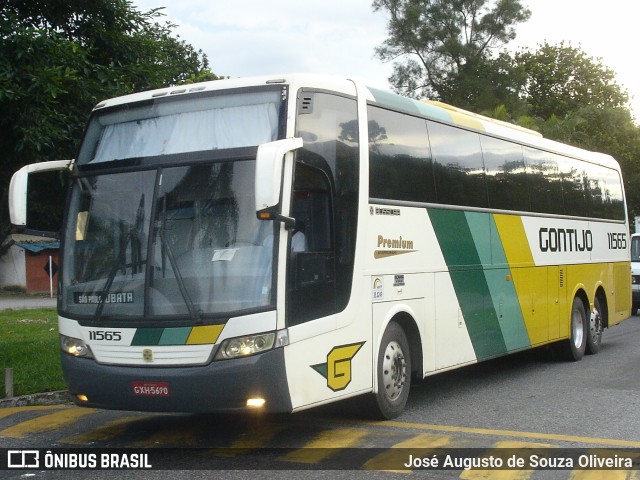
x=29, y=345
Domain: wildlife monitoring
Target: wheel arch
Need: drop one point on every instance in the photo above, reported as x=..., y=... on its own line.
x=601, y=295
x=408, y=323
x=581, y=293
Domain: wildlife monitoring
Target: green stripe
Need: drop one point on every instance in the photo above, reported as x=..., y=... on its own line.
x=498, y=277
x=468, y=277
x=147, y=336
x=175, y=336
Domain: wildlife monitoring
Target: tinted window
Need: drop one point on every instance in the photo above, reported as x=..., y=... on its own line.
x=506, y=174
x=573, y=175
x=458, y=169
x=544, y=181
x=604, y=192
x=329, y=127
x=399, y=157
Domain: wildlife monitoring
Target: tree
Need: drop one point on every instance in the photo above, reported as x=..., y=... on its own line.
x=560, y=79
x=446, y=47
x=575, y=99
x=59, y=58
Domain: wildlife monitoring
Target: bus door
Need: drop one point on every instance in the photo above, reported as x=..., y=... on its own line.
x=322, y=358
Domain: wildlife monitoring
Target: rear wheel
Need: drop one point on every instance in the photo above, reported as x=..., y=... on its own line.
x=596, y=325
x=394, y=373
x=573, y=349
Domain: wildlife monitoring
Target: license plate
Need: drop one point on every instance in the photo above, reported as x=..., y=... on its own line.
x=150, y=389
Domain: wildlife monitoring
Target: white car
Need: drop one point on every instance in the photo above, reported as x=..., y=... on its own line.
x=635, y=272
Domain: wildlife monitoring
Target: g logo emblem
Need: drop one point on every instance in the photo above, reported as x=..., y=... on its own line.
x=337, y=370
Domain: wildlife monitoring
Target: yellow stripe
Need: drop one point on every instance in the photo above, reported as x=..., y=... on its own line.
x=103, y=433
x=178, y=436
x=510, y=474
x=514, y=240
x=260, y=436
x=531, y=283
x=46, y=423
x=5, y=412
x=608, y=474
x=395, y=457
x=466, y=121
x=205, y=335
x=326, y=444
x=507, y=433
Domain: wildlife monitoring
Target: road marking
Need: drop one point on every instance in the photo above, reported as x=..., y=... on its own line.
x=608, y=474
x=104, y=433
x=327, y=443
x=5, y=412
x=258, y=437
x=46, y=423
x=505, y=433
x=395, y=457
x=512, y=474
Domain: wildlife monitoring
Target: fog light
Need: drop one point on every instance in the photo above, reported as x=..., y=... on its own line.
x=82, y=398
x=256, y=402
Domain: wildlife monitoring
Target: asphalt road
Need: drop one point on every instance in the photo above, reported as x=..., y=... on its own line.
x=528, y=400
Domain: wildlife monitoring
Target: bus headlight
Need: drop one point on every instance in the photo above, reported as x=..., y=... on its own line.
x=245, y=346
x=75, y=347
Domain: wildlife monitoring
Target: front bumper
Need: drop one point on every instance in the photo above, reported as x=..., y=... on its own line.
x=218, y=386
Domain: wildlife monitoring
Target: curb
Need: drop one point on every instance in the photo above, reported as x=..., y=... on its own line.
x=49, y=398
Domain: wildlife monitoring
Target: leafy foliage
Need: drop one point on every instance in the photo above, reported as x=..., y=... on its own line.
x=560, y=79
x=60, y=57
x=445, y=47
x=448, y=50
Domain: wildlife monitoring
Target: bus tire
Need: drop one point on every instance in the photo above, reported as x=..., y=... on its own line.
x=573, y=349
x=394, y=373
x=594, y=332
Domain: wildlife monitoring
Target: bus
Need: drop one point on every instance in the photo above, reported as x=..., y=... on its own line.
x=280, y=243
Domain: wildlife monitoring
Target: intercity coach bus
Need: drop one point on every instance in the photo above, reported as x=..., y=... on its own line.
x=282, y=243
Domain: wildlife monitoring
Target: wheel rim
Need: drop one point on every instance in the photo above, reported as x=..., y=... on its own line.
x=578, y=328
x=394, y=370
x=595, y=324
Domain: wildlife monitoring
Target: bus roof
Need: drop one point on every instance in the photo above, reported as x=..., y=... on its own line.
x=433, y=110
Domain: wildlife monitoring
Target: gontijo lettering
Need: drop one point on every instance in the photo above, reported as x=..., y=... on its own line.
x=565, y=240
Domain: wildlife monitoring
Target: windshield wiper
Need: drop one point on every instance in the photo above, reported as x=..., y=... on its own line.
x=112, y=275
x=133, y=236
x=166, y=247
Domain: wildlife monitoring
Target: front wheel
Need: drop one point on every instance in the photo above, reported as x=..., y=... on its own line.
x=394, y=373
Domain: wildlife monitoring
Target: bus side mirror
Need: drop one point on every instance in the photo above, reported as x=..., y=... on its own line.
x=19, y=190
x=268, y=179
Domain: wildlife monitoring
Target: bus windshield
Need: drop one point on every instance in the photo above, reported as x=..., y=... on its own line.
x=179, y=241
x=178, y=125
x=635, y=249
